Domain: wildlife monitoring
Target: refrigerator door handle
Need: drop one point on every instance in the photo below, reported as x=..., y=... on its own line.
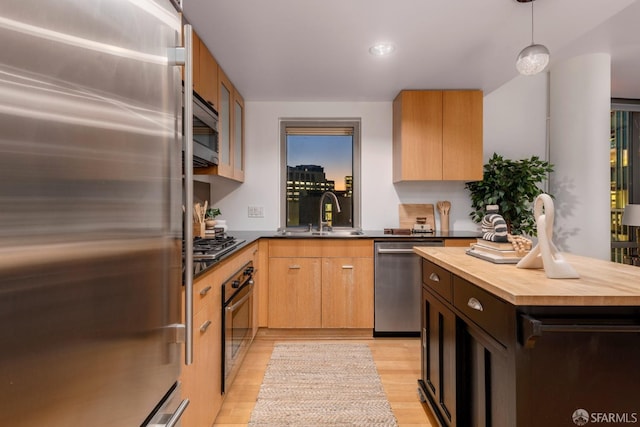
x=188, y=179
x=175, y=333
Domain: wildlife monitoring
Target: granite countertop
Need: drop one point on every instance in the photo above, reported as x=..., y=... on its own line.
x=601, y=283
x=249, y=237
x=379, y=234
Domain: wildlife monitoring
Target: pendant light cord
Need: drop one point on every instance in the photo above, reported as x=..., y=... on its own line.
x=532, y=1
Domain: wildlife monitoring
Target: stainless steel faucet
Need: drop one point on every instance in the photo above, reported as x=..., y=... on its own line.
x=337, y=203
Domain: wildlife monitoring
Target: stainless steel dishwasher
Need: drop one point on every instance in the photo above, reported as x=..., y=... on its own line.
x=398, y=287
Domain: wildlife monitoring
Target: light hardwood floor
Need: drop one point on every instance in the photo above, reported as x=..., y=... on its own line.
x=397, y=361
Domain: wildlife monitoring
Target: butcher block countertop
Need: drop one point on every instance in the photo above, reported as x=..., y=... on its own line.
x=601, y=283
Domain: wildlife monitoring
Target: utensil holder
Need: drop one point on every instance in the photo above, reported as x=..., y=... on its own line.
x=444, y=222
x=199, y=229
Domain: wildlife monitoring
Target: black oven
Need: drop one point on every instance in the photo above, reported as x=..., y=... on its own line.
x=205, y=133
x=237, y=321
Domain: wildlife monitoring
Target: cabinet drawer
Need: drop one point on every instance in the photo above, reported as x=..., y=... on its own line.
x=203, y=291
x=437, y=278
x=484, y=309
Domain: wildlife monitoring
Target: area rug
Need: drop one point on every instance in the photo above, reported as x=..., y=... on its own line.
x=321, y=384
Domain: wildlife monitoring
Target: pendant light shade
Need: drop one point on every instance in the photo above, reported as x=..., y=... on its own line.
x=533, y=58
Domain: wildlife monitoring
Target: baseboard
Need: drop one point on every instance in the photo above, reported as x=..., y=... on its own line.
x=313, y=333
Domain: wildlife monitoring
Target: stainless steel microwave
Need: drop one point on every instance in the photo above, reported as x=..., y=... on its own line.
x=205, y=133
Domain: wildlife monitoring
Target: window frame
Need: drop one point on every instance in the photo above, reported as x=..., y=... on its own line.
x=328, y=123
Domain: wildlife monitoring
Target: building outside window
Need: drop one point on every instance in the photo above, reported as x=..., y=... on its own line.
x=320, y=156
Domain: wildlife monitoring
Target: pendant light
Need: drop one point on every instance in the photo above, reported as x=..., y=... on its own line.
x=535, y=57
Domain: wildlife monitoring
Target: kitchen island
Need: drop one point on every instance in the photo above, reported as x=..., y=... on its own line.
x=504, y=346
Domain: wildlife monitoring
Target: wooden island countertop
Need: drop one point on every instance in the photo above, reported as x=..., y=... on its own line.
x=601, y=283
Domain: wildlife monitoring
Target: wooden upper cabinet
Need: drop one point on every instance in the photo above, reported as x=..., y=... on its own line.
x=417, y=136
x=205, y=72
x=437, y=135
x=462, y=135
x=225, y=111
x=208, y=71
x=231, y=129
x=238, y=136
x=215, y=87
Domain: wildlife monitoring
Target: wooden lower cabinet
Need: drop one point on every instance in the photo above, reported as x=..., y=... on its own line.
x=490, y=363
x=295, y=293
x=467, y=368
x=346, y=292
x=484, y=382
x=463, y=243
x=202, y=380
x=320, y=283
x=439, y=357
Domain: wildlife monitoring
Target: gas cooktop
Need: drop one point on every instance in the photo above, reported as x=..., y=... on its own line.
x=212, y=248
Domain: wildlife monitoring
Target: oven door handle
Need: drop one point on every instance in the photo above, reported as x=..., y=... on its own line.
x=243, y=299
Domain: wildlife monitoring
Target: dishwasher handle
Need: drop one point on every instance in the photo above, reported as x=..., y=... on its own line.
x=395, y=251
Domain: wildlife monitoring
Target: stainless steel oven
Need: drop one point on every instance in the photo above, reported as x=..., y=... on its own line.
x=237, y=321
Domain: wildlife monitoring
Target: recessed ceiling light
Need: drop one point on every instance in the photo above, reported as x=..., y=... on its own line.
x=382, y=49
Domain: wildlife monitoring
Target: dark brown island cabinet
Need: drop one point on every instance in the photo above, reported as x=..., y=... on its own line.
x=508, y=347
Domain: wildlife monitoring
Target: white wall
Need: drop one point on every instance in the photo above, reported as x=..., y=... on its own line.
x=514, y=126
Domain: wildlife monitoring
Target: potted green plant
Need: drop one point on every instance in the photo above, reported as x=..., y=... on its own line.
x=512, y=185
x=210, y=216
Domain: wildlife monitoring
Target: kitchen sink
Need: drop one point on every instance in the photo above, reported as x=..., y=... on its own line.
x=324, y=233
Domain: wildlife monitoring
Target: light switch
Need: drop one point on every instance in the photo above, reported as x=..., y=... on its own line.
x=256, y=211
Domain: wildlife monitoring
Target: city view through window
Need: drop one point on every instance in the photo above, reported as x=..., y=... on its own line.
x=319, y=161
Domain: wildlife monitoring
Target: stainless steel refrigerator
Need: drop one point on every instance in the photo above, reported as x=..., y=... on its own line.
x=90, y=213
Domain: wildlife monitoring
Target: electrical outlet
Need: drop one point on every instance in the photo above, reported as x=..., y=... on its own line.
x=256, y=212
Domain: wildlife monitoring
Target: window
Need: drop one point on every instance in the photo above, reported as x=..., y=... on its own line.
x=320, y=156
x=625, y=172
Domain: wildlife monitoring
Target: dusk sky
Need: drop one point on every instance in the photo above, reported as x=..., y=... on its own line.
x=334, y=153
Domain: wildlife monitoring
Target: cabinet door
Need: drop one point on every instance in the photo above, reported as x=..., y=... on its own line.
x=439, y=357
x=485, y=397
x=202, y=379
x=195, y=49
x=347, y=293
x=225, y=94
x=238, y=136
x=462, y=135
x=295, y=293
x=417, y=135
x=208, y=88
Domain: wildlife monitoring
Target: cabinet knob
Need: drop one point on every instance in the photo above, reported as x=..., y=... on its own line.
x=294, y=267
x=475, y=304
x=347, y=267
x=434, y=277
x=205, y=291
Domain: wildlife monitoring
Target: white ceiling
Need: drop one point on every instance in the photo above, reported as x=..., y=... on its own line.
x=317, y=50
